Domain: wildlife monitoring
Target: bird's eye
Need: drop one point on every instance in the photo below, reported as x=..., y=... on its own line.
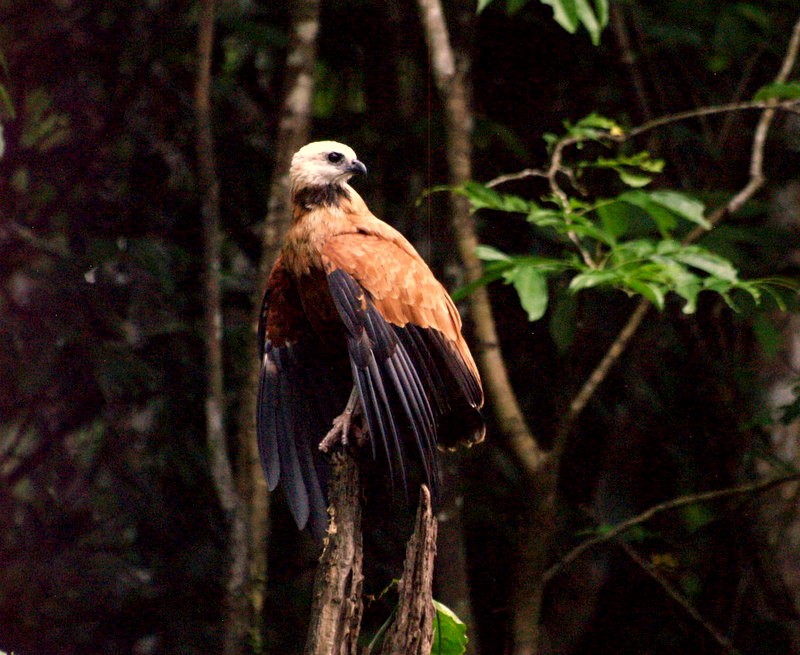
x=335, y=157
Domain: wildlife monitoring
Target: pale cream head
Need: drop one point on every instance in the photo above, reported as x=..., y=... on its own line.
x=324, y=163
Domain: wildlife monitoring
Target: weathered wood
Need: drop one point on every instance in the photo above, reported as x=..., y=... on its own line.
x=337, y=604
x=411, y=632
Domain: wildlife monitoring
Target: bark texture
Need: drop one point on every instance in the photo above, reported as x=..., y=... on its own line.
x=337, y=604
x=411, y=632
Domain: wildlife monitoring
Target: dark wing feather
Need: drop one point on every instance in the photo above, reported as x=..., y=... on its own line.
x=301, y=389
x=392, y=392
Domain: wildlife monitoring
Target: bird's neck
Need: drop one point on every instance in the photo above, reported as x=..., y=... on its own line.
x=308, y=198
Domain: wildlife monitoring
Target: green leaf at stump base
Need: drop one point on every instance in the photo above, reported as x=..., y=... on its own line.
x=449, y=632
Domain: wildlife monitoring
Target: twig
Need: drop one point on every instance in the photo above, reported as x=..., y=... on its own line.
x=510, y=177
x=220, y=465
x=679, y=598
x=784, y=105
x=675, y=503
x=552, y=174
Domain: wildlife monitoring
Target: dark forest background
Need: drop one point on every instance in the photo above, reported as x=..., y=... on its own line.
x=113, y=537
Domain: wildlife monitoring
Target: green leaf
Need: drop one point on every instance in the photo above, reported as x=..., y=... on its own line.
x=614, y=218
x=593, y=278
x=632, y=179
x=565, y=13
x=531, y=286
x=449, y=632
x=588, y=19
x=482, y=4
x=709, y=262
x=779, y=91
x=491, y=254
x=684, y=206
x=626, y=167
x=545, y=217
x=482, y=197
x=601, y=9
x=664, y=206
x=653, y=292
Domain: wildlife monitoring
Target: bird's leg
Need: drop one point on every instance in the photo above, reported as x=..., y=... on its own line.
x=343, y=423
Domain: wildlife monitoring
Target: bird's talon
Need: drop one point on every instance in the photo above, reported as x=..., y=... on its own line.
x=337, y=434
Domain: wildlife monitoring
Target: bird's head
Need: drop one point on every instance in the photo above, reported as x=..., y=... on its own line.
x=324, y=164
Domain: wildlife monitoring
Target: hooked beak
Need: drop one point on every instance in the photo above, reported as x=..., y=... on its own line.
x=357, y=168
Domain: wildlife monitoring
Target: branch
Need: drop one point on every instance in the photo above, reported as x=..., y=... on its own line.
x=784, y=105
x=679, y=598
x=337, y=604
x=411, y=632
x=452, y=89
x=220, y=465
x=675, y=503
x=754, y=183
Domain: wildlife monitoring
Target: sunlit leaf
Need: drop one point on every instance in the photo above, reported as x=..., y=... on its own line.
x=488, y=254
x=684, y=206
x=564, y=13
x=449, y=632
x=632, y=178
x=593, y=278
x=589, y=20
x=708, y=261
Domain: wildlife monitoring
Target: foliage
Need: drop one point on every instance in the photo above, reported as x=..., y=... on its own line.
x=449, y=632
x=568, y=13
x=629, y=241
x=112, y=540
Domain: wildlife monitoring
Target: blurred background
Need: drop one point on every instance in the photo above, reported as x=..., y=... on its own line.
x=113, y=538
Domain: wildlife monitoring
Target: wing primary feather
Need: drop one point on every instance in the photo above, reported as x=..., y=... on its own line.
x=267, y=427
x=296, y=492
x=385, y=408
x=377, y=428
x=427, y=363
x=418, y=389
x=418, y=426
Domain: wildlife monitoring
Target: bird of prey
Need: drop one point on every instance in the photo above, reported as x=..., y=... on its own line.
x=355, y=326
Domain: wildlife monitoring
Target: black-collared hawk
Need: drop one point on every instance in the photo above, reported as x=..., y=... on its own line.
x=351, y=305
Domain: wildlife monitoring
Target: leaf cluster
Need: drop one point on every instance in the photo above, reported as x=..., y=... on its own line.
x=630, y=241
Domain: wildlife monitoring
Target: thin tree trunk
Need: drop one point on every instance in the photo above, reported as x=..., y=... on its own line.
x=450, y=76
x=292, y=134
x=221, y=472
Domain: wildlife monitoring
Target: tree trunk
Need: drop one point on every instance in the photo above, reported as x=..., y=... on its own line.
x=220, y=465
x=293, y=131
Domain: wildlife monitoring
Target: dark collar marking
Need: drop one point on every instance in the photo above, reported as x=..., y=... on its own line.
x=315, y=196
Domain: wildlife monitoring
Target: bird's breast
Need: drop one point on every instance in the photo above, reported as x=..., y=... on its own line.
x=320, y=310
